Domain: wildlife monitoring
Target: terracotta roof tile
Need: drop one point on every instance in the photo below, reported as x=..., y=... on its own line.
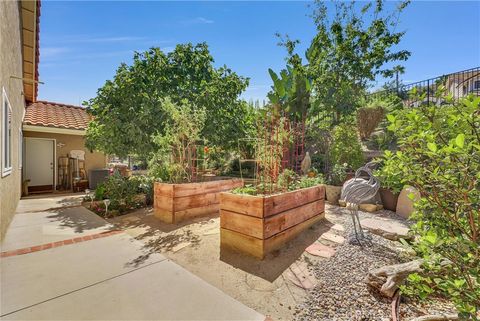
x=49, y=114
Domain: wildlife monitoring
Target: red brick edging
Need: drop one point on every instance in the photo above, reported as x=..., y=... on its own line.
x=47, y=246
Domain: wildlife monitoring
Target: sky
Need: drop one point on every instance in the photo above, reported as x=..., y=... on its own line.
x=83, y=43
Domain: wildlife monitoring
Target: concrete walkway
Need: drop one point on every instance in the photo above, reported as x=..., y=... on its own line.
x=97, y=278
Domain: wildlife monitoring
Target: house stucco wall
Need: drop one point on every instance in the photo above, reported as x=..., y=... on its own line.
x=92, y=160
x=11, y=65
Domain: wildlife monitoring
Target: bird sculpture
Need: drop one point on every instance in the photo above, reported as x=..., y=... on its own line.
x=354, y=192
x=306, y=164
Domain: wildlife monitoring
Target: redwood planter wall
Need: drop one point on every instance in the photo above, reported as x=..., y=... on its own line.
x=257, y=225
x=174, y=203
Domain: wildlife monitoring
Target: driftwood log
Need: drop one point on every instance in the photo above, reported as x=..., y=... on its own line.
x=387, y=278
x=437, y=317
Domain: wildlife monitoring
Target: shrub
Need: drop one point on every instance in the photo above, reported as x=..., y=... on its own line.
x=337, y=174
x=441, y=158
x=346, y=148
x=100, y=192
x=368, y=119
x=144, y=186
x=121, y=191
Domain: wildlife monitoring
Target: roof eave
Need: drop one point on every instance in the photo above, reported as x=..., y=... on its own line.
x=54, y=130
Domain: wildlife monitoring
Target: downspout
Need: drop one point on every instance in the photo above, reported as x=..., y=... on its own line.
x=34, y=58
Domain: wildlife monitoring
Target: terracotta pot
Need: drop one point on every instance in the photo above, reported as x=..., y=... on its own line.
x=350, y=175
x=389, y=199
x=333, y=193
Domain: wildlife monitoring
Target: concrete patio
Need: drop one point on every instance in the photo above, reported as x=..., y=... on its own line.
x=92, y=273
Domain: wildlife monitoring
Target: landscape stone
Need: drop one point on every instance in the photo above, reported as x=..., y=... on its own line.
x=389, y=229
x=298, y=274
x=333, y=237
x=405, y=204
x=318, y=249
x=338, y=227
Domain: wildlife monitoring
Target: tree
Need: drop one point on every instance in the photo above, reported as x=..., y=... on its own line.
x=127, y=111
x=176, y=147
x=349, y=51
x=440, y=156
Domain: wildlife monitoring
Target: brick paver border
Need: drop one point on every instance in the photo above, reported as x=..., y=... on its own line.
x=47, y=246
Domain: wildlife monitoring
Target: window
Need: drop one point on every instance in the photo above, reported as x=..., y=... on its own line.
x=6, y=135
x=476, y=84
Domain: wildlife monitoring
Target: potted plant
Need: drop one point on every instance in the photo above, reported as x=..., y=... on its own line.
x=391, y=180
x=335, y=180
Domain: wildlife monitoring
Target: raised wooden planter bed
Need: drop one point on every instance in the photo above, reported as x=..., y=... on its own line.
x=174, y=203
x=257, y=225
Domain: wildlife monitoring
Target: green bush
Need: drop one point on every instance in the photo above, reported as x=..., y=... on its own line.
x=440, y=154
x=346, y=148
x=337, y=174
x=121, y=192
x=100, y=192
x=391, y=173
x=144, y=186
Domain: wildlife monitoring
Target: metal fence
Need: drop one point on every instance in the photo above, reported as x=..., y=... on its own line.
x=457, y=85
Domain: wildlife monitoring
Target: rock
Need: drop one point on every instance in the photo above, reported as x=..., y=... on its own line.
x=405, y=204
x=369, y=207
x=318, y=249
x=387, y=279
x=333, y=193
x=389, y=229
x=338, y=227
x=333, y=238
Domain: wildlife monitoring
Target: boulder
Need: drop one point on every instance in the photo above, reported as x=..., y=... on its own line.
x=332, y=193
x=387, y=228
x=405, y=204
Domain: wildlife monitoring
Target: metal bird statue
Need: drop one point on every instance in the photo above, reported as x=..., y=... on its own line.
x=306, y=163
x=354, y=192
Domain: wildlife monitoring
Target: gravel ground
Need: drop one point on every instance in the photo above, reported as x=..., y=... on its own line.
x=342, y=293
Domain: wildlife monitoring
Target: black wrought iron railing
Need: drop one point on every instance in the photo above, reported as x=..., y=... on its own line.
x=457, y=85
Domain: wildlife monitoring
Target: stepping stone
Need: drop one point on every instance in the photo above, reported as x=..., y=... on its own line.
x=131, y=219
x=386, y=228
x=318, y=249
x=333, y=238
x=298, y=274
x=180, y=246
x=338, y=227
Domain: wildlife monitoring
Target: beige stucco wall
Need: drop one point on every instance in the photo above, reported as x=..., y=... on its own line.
x=92, y=160
x=11, y=65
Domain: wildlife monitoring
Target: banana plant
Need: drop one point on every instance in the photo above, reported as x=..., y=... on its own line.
x=290, y=92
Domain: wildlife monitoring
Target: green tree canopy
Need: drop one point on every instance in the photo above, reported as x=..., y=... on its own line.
x=128, y=110
x=350, y=50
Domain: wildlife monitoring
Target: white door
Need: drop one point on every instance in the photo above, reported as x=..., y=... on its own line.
x=39, y=161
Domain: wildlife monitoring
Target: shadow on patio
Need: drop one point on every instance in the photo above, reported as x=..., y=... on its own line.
x=156, y=235
x=275, y=263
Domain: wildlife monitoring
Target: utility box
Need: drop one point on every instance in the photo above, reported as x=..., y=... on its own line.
x=97, y=176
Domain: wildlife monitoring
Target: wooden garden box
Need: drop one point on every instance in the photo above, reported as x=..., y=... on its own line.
x=257, y=225
x=174, y=203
